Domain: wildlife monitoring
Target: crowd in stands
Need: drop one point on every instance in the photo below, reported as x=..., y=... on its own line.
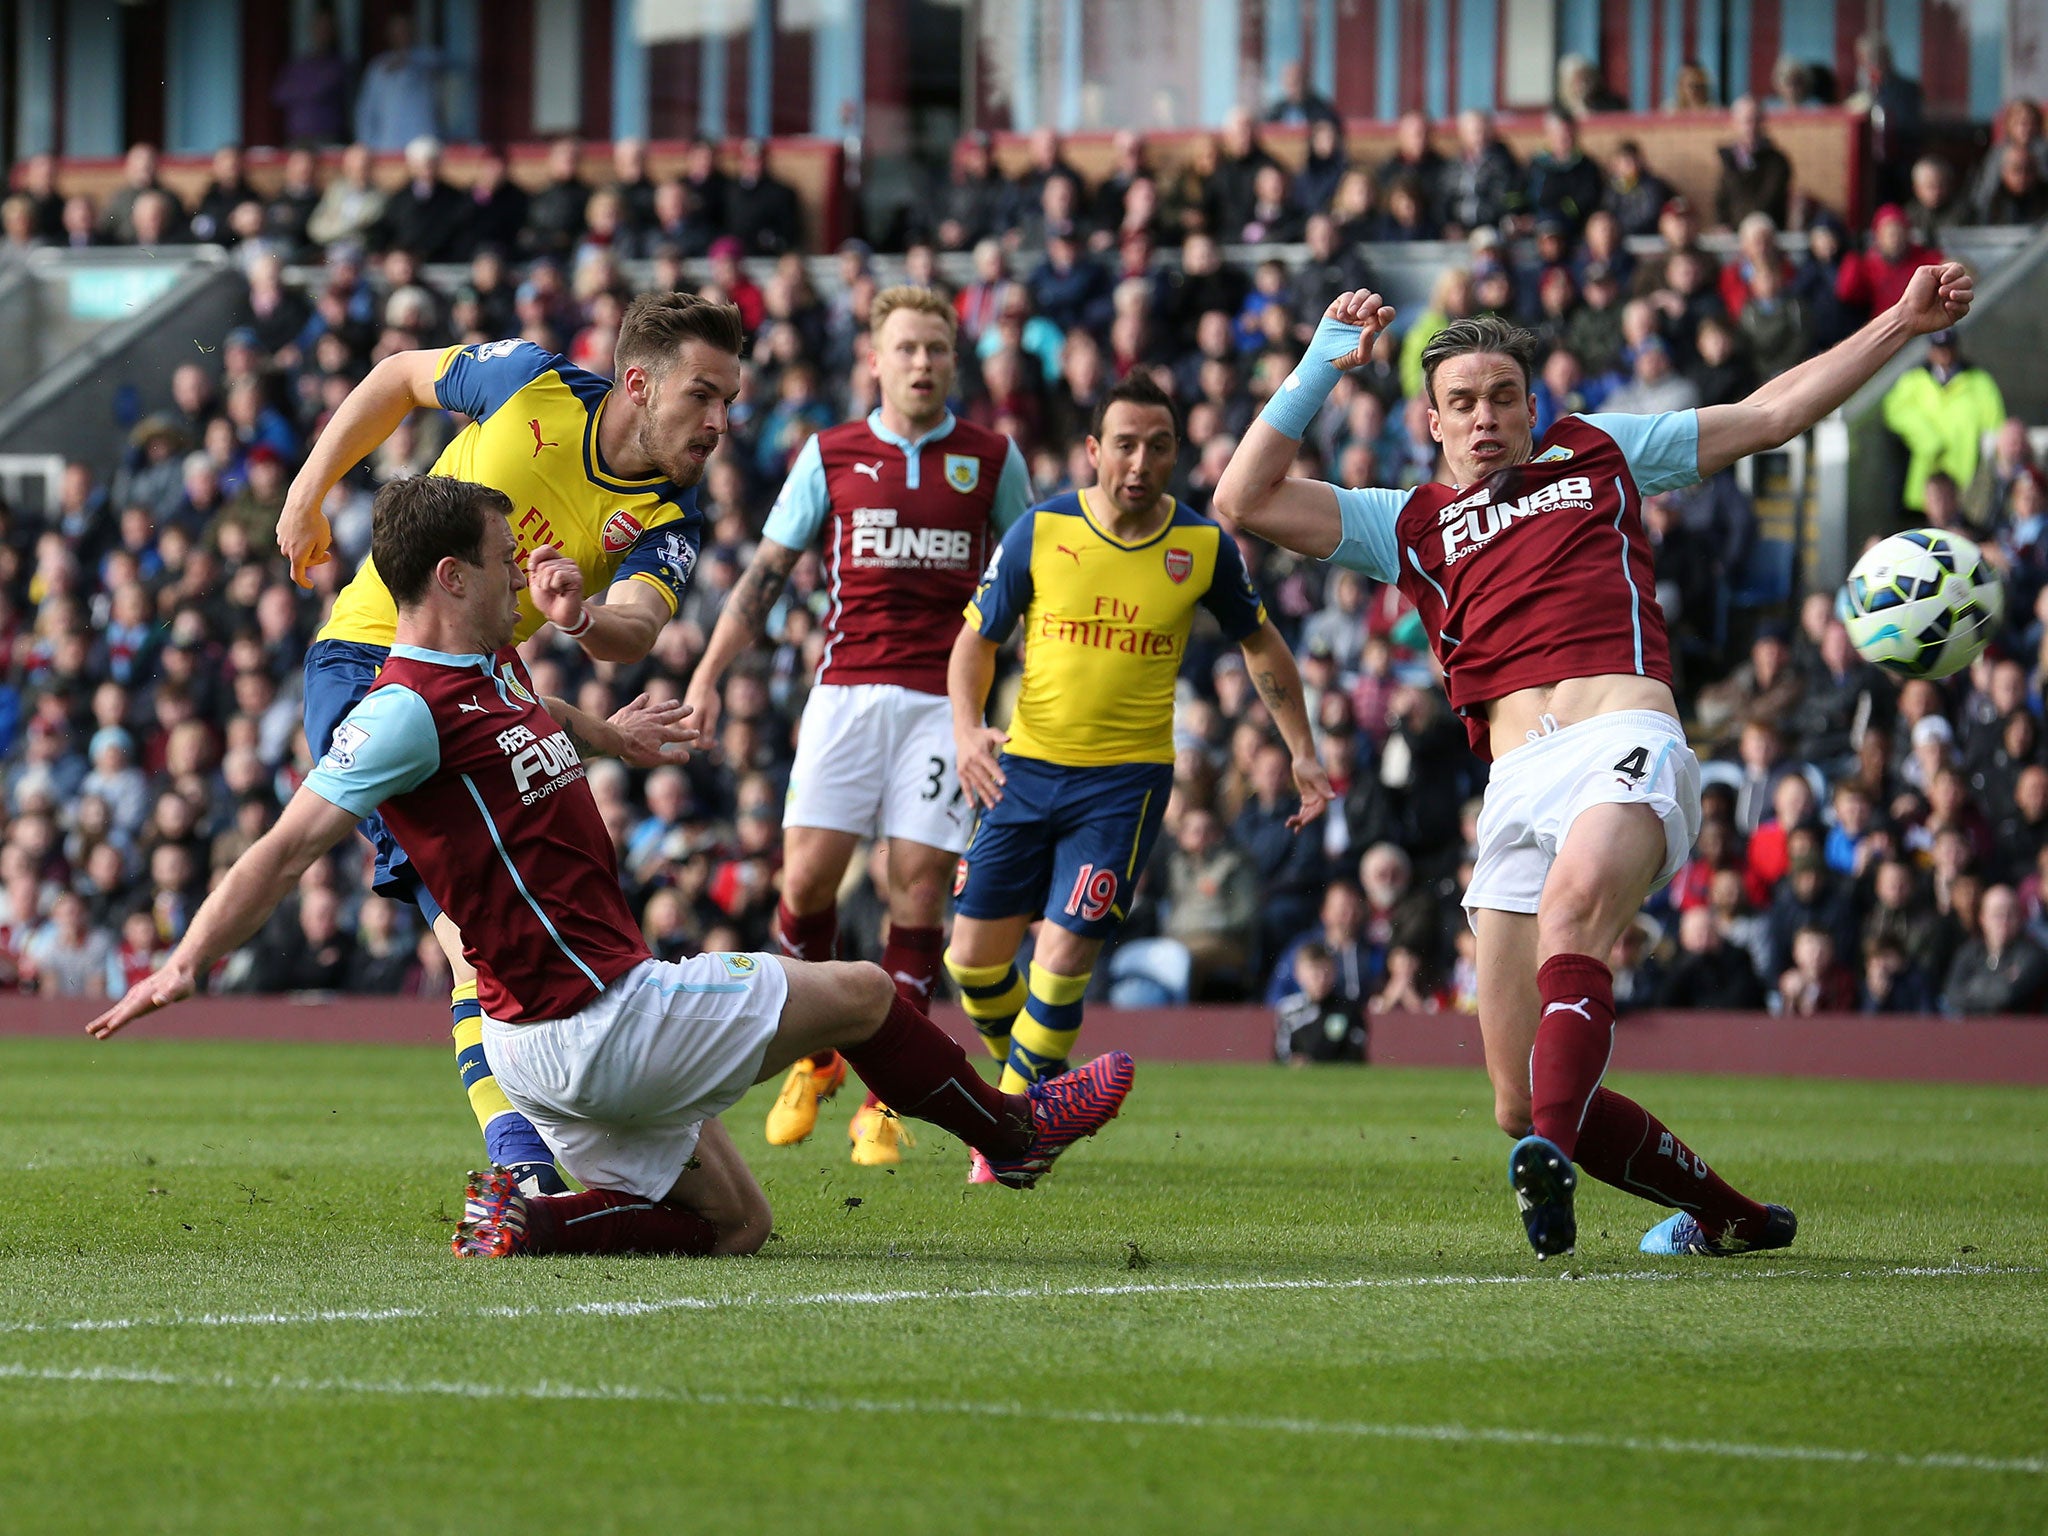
x=1866, y=845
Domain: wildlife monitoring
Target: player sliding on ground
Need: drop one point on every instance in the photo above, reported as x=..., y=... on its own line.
x=603, y=479
x=1534, y=579
x=910, y=501
x=621, y=1061
x=1105, y=583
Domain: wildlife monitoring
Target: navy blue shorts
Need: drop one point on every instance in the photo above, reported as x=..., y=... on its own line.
x=338, y=674
x=1068, y=842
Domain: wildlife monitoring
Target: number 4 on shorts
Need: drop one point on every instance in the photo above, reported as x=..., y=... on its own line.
x=1094, y=893
x=1635, y=765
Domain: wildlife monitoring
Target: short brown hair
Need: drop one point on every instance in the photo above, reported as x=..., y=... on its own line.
x=1479, y=333
x=919, y=300
x=656, y=325
x=418, y=522
x=1137, y=387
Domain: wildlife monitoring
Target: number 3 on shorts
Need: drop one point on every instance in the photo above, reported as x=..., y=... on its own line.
x=1094, y=893
x=937, y=785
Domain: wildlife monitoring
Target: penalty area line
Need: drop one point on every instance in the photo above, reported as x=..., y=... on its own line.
x=876, y=1298
x=1441, y=1434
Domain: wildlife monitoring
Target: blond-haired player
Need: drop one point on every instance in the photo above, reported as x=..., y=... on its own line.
x=906, y=506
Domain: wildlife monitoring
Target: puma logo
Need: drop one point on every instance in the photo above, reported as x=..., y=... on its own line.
x=1066, y=551
x=539, y=442
x=921, y=985
x=471, y=708
x=872, y=471
x=1579, y=1008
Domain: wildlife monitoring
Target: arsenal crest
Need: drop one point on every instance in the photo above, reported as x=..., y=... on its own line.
x=963, y=472
x=959, y=877
x=1179, y=564
x=620, y=530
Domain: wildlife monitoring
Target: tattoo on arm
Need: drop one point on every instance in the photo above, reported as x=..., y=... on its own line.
x=1272, y=690
x=571, y=720
x=756, y=593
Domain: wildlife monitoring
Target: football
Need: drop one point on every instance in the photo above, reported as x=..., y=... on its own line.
x=1923, y=603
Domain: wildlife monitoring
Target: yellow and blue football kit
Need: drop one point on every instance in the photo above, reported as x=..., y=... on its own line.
x=1089, y=763
x=533, y=434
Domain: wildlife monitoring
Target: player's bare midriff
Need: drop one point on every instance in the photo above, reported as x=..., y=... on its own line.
x=1513, y=716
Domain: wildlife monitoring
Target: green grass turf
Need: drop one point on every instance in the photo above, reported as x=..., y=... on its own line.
x=153, y=1180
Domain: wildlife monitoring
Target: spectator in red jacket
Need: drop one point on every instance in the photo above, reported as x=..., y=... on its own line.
x=1872, y=279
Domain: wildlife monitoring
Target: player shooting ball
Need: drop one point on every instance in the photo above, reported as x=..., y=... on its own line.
x=602, y=475
x=1533, y=577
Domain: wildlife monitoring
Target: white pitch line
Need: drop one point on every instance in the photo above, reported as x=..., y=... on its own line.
x=1447, y=1434
x=984, y=1293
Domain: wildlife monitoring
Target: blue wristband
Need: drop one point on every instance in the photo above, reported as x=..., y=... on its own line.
x=1294, y=405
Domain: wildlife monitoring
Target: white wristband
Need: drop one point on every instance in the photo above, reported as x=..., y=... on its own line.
x=580, y=629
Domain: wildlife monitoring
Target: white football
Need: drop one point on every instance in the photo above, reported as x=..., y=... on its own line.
x=1923, y=603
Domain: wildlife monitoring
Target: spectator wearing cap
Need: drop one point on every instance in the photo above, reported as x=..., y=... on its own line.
x=1816, y=281
x=1808, y=897
x=151, y=474
x=1874, y=279
x=1941, y=411
x=1679, y=228
x=116, y=779
x=732, y=280
x=256, y=506
x=2002, y=969
x=1634, y=194
x=400, y=96
x=1563, y=181
x=352, y=204
x=1755, y=175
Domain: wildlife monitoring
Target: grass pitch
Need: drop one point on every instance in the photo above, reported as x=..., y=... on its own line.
x=1261, y=1301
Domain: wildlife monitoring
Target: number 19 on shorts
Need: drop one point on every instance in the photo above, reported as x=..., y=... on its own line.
x=1094, y=894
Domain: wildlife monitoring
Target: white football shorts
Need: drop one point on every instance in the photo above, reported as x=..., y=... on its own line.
x=1536, y=792
x=620, y=1090
x=877, y=759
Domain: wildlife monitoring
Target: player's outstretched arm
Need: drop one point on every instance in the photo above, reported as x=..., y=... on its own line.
x=977, y=745
x=740, y=622
x=239, y=905
x=1278, y=680
x=393, y=390
x=1800, y=398
x=1256, y=492
x=640, y=735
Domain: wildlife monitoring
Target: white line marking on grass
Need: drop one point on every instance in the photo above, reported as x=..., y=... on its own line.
x=983, y=1293
x=1448, y=1434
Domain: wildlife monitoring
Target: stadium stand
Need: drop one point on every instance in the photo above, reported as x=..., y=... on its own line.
x=1868, y=846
